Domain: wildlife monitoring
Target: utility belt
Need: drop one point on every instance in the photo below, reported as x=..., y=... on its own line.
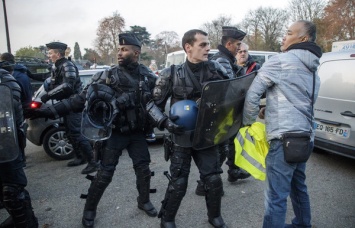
x=130, y=120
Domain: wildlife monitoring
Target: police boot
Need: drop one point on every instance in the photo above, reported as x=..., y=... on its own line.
x=92, y=166
x=171, y=203
x=143, y=175
x=237, y=173
x=18, y=203
x=200, y=188
x=214, y=189
x=96, y=190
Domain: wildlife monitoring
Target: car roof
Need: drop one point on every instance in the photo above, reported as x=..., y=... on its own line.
x=87, y=72
x=337, y=55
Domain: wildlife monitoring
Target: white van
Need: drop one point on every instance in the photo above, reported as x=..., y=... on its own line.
x=179, y=57
x=334, y=110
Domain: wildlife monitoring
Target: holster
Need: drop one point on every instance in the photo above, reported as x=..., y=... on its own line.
x=168, y=146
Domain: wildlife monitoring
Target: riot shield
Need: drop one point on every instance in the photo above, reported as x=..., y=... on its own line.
x=93, y=131
x=221, y=111
x=9, y=148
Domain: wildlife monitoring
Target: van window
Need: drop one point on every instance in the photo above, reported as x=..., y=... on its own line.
x=259, y=59
x=175, y=58
x=337, y=79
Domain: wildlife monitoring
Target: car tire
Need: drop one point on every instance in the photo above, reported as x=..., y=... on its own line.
x=56, y=144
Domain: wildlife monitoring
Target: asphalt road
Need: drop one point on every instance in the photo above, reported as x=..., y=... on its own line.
x=55, y=190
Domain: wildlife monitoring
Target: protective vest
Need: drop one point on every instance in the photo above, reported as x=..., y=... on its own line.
x=139, y=85
x=251, y=148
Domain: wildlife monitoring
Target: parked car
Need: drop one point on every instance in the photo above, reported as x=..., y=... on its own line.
x=334, y=110
x=51, y=133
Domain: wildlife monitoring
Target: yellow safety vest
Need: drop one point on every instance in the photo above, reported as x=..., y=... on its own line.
x=251, y=148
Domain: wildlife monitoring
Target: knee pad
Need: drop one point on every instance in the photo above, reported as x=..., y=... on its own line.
x=109, y=157
x=13, y=196
x=104, y=177
x=213, y=181
x=179, y=187
x=143, y=171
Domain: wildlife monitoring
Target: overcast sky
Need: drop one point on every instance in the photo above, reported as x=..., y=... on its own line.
x=37, y=22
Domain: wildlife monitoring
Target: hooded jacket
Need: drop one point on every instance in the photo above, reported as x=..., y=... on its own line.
x=287, y=79
x=21, y=76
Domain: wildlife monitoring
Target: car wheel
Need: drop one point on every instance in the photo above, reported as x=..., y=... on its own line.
x=56, y=144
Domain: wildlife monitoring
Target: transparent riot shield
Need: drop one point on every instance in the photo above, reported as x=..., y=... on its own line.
x=96, y=123
x=220, y=111
x=9, y=148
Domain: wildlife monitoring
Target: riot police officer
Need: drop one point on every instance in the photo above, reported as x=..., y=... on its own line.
x=230, y=44
x=183, y=83
x=13, y=181
x=63, y=83
x=128, y=87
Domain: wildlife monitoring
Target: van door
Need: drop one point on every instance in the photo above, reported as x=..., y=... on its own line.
x=335, y=106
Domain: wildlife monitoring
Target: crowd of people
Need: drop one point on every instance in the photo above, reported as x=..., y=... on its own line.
x=120, y=106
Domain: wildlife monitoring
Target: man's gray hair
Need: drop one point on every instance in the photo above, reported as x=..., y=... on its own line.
x=310, y=30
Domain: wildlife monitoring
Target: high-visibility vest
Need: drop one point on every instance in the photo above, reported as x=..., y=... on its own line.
x=251, y=148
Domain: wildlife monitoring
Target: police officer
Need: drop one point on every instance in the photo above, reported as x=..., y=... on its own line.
x=128, y=86
x=63, y=83
x=183, y=83
x=13, y=181
x=230, y=44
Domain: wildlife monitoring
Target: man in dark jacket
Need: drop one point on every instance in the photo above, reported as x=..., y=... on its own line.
x=230, y=43
x=63, y=83
x=227, y=50
x=19, y=72
x=129, y=86
x=183, y=83
x=13, y=181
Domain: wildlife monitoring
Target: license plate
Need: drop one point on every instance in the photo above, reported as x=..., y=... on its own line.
x=342, y=132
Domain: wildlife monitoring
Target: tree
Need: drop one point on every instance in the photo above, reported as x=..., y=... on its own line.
x=37, y=52
x=309, y=10
x=340, y=17
x=168, y=39
x=214, y=29
x=141, y=33
x=106, y=42
x=92, y=56
x=77, y=52
x=264, y=28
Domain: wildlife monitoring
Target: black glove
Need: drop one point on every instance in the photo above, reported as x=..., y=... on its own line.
x=125, y=101
x=39, y=113
x=45, y=98
x=172, y=127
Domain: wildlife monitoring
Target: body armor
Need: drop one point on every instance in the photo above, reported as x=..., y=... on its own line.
x=181, y=83
x=227, y=60
x=137, y=85
x=64, y=80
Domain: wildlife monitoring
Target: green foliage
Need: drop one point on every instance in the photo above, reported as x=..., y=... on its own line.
x=77, y=52
x=141, y=33
x=37, y=52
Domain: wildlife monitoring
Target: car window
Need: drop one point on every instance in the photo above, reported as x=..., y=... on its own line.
x=85, y=78
x=337, y=79
x=259, y=59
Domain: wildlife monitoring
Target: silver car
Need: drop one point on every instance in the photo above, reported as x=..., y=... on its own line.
x=51, y=133
x=334, y=110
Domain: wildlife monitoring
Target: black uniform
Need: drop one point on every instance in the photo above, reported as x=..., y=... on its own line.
x=63, y=83
x=13, y=180
x=132, y=86
x=176, y=82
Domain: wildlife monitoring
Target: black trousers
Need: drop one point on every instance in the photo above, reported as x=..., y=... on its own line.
x=81, y=145
x=135, y=144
